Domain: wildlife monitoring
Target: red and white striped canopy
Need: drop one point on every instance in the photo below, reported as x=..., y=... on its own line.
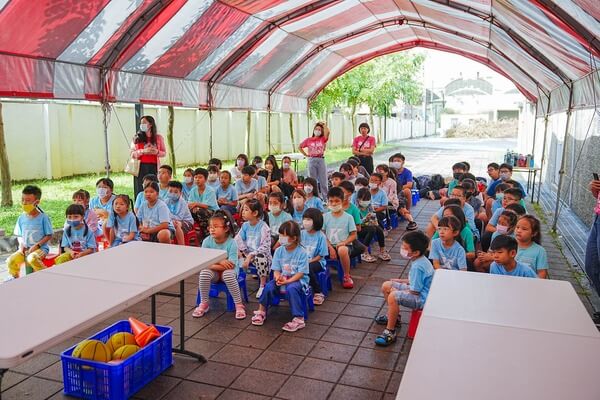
x=277, y=54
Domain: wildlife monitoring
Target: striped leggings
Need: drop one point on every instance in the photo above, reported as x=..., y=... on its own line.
x=228, y=276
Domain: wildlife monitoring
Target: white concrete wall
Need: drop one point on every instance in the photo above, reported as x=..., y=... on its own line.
x=57, y=139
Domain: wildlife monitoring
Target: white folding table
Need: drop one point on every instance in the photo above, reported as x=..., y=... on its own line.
x=47, y=307
x=493, y=337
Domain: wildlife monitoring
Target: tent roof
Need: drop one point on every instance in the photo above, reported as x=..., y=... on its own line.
x=278, y=54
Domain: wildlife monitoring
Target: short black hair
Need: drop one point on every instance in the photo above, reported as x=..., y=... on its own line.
x=152, y=185
x=460, y=187
x=468, y=175
x=347, y=186
x=361, y=181
x=215, y=161
x=363, y=194
x=81, y=193
x=459, y=165
x=316, y=216
x=257, y=159
x=364, y=125
x=75, y=209
x=467, y=164
x=511, y=215
x=175, y=184
x=504, y=242
x=248, y=170
x=506, y=166
x=255, y=206
x=338, y=174
x=514, y=192
x=290, y=228
x=501, y=187
x=451, y=222
x=417, y=241
x=150, y=177
x=493, y=165
x=397, y=155
x=452, y=202
x=346, y=167
x=354, y=158
x=377, y=175
x=517, y=208
x=212, y=168
x=107, y=181
x=353, y=162
x=277, y=195
x=201, y=171
x=167, y=167
x=336, y=192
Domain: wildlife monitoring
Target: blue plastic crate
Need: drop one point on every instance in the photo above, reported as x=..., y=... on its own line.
x=97, y=380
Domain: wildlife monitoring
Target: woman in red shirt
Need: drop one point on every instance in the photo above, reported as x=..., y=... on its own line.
x=363, y=146
x=148, y=147
x=315, y=152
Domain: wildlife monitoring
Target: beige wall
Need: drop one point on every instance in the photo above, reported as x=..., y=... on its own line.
x=52, y=140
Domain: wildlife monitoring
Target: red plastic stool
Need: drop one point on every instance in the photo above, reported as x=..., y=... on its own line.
x=49, y=260
x=415, y=316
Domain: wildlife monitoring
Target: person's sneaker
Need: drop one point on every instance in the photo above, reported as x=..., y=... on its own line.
x=411, y=226
x=260, y=291
x=386, y=338
x=384, y=255
x=366, y=257
x=348, y=283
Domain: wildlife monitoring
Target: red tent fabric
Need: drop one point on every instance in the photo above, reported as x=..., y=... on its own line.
x=277, y=54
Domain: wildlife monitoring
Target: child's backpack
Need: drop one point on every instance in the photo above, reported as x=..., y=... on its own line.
x=437, y=182
x=423, y=181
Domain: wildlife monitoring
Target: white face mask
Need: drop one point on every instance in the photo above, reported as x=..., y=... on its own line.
x=212, y=177
x=404, y=253
x=101, y=192
x=396, y=164
x=188, y=179
x=308, y=189
x=364, y=203
x=284, y=240
x=259, y=165
x=335, y=209
x=241, y=163
x=298, y=203
x=307, y=224
x=144, y=127
x=286, y=165
x=373, y=186
x=358, y=187
x=275, y=209
x=505, y=176
x=317, y=132
x=501, y=229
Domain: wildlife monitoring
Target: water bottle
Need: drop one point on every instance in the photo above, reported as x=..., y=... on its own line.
x=531, y=162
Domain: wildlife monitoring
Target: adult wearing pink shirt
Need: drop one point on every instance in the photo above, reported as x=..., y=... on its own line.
x=363, y=146
x=315, y=151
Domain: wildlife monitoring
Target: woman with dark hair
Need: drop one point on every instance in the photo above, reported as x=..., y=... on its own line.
x=363, y=146
x=316, y=145
x=148, y=147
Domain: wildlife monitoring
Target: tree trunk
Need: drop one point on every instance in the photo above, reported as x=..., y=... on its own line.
x=170, y=141
x=292, y=132
x=7, y=200
x=353, y=119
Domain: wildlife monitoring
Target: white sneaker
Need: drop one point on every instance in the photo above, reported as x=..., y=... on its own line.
x=260, y=291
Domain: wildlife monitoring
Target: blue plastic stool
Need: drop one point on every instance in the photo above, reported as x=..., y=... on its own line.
x=307, y=305
x=216, y=288
x=415, y=197
x=324, y=278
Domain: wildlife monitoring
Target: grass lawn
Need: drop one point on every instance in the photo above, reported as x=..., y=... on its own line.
x=56, y=193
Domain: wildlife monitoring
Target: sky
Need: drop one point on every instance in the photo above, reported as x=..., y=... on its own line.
x=441, y=68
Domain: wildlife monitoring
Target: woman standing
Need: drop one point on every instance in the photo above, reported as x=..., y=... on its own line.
x=363, y=146
x=316, y=145
x=592, y=252
x=148, y=147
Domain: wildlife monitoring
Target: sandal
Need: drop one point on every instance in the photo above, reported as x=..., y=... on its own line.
x=384, y=255
x=259, y=318
x=411, y=226
x=347, y=283
x=318, y=299
x=201, y=310
x=294, y=325
x=240, y=311
x=386, y=338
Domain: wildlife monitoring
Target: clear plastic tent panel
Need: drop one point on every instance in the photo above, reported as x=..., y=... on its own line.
x=237, y=53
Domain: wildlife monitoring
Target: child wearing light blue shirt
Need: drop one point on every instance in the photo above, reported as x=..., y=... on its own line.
x=204, y=196
x=530, y=252
x=315, y=244
x=452, y=257
x=411, y=292
x=504, y=250
x=77, y=240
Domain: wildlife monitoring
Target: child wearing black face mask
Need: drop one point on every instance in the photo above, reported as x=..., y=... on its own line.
x=78, y=240
x=458, y=170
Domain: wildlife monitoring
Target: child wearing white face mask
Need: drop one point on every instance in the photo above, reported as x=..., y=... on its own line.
x=102, y=204
x=188, y=182
x=213, y=177
x=298, y=206
x=277, y=216
x=370, y=227
x=315, y=244
x=240, y=163
x=312, y=194
x=288, y=174
x=412, y=292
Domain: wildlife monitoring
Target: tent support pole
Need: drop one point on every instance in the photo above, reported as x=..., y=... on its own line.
x=105, y=111
x=210, y=133
x=534, y=131
x=562, y=162
x=546, y=119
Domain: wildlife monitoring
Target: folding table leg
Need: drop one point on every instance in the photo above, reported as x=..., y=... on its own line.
x=2, y=371
x=181, y=349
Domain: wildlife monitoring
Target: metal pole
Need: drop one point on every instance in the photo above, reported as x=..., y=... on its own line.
x=546, y=119
x=562, y=162
x=534, y=132
x=210, y=133
x=105, y=116
x=139, y=113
